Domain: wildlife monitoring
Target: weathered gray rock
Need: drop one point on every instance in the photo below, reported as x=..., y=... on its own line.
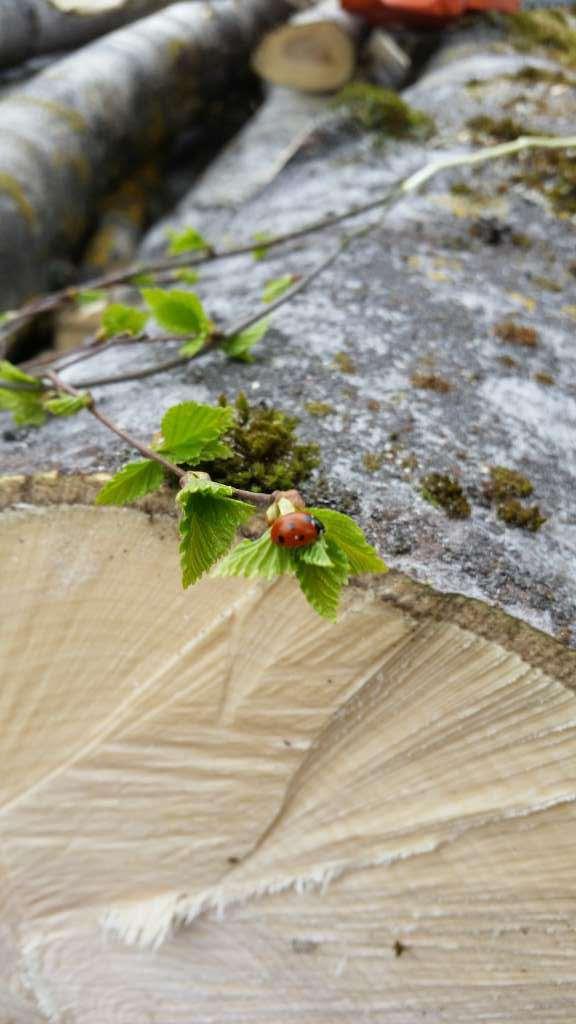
x=418, y=295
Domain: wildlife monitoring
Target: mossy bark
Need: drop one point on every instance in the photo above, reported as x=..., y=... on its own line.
x=76, y=127
x=32, y=27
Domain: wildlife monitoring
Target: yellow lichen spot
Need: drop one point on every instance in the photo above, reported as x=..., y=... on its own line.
x=16, y=192
x=470, y=206
x=74, y=119
x=522, y=300
x=437, y=275
x=414, y=262
x=569, y=311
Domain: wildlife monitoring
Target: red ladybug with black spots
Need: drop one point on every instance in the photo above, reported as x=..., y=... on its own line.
x=296, y=530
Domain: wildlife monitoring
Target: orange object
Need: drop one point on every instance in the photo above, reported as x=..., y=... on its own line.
x=423, y=13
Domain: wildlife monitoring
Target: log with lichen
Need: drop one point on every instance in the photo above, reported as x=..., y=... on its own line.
x=232, y=809
x=33, y=27
x=76, y=127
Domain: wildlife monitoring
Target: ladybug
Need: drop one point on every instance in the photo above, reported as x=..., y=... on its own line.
x=296, y=530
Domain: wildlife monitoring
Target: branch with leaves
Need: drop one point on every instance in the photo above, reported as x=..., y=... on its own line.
x=192, y=434
x=210, y=513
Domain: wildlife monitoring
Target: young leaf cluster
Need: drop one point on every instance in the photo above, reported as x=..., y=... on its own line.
x=29, y=401
x=190, y=432
x=322, y=569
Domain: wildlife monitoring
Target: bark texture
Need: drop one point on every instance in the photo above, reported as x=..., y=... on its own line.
x=83, y=122
x=32, y=27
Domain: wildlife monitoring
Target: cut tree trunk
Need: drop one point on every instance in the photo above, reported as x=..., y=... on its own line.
x=32, y=27
x=73, y=129
x=315, y=52
x=216, y=806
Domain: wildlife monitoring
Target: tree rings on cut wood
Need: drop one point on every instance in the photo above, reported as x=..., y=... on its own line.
x=315, y=52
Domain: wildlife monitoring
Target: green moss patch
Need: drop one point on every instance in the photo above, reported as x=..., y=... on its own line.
x=507, y=483
x=513, y=513
x=383, y=111
x=445, y=492
x=551, y=30
x=267, y=455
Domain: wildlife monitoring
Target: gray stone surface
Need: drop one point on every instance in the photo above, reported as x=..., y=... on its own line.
x=420, y=294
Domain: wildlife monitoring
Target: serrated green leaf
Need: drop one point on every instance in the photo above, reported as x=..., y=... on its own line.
x=67, y=405
x=10, y=372
x=190, y=431
x=119, y=319
x=187, y=240
x=177, y=311
x=253, y=558
x=239, y=346
x=26, y=405
x=188, y=276
x=259, y=251
x=344, y=532
x=135, y=480
x=277, y=287
x=321, y=585
x=315, y=554
x=194, y=345
x=143, y=280
x=210, y=519
x=90, y=295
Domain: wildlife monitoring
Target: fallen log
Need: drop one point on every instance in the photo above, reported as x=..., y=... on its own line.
x=315, y=52
x=33, y=27
x=314, y=822
x=74, y=128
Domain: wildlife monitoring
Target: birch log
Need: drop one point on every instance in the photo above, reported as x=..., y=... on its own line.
x=315, y=52
x=77, y=126
x=217, y=807
x=32, y=27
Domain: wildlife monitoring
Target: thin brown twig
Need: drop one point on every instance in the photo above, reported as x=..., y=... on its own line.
x=220, y=338
x=252, y=497
x=46, y=303
x=148, y=453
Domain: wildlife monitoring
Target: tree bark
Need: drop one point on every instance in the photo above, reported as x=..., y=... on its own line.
x=268, y=817
x=33, y=27
x=80, y=124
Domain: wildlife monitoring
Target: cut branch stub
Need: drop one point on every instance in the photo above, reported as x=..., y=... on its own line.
x=315, y=52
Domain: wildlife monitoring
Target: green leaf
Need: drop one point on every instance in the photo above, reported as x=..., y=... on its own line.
x=322, y=585
x=193, y=346
x=143, y=280
x=253, y=558
x=10, y=372
x=239, y=346
x=135, y=480
x=67, y=405
x=277, y=287
x=6, y=316
x=119, y=319
x=177, y=311
x=90, y=295
x=210, y=519
x=259, y=251
x=188, y=276
x=188, y=240
x=191, y=431
x=26, y=405
x=344, y=532
x=315, y=554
